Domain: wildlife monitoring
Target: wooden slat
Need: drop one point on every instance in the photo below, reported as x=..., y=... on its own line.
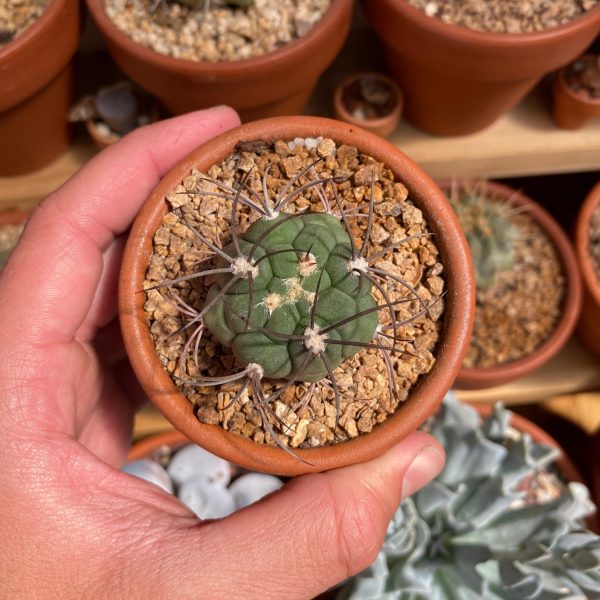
x=25, y=191
x=572, y=370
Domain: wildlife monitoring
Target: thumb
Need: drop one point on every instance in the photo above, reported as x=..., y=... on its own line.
x=310, y=535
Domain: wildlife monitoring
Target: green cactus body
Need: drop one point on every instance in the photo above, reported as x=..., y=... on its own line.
x=307, y=252
x=490, y=235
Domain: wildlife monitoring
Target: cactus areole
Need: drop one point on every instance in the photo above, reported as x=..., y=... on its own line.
x=292, y=276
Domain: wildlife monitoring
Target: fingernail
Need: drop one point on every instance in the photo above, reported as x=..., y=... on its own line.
x=426, y=465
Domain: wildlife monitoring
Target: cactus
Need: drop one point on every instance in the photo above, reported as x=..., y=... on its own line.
x=293, y=294
x=307, y=255
x=468, y=534
x=489, y=232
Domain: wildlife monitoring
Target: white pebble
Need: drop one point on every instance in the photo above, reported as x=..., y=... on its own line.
x=149, y=471
x=192, y=460
x=431, y=9
x=250, y=488
x=205, y=498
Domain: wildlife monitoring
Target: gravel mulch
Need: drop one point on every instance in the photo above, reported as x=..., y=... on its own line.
x=17, y=15
x=369, y=98
x=309, y=410
x=505, y=16
x=222, y=33
x=594, y=245
x=520, y=311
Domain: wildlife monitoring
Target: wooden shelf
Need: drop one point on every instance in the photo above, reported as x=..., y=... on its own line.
x=571, y=371
x=523, y=142
x=25, y=191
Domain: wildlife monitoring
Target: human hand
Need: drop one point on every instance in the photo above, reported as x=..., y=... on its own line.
x=73, y=525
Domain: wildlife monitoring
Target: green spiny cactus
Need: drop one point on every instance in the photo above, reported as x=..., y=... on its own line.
x=300, y=255
x=489, y=232
x=293, y=294
x=469, y=535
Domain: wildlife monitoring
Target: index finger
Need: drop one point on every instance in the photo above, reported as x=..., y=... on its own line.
x=61, y=249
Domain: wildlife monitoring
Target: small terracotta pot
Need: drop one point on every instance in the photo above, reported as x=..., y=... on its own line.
x=425, y=396
x=588, y=328
x=278, y=83
x=144, y=448
x=383, y=125
x=459, y=81
x=571, y=109
x=35, y=79
x=485, y=377
x=13, y=217
x=100, y=139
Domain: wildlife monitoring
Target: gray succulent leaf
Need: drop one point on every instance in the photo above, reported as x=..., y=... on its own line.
x=469, y=535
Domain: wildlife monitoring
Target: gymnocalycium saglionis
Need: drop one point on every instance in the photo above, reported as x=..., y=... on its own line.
x=292, y=280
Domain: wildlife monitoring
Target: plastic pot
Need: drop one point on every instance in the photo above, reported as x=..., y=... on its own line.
x=278, y=83
x=485, y=377
x=423, y=398
x=572, y=109
x=383, y=125
x=35, y=79
x=458, y=81
x=588, y=328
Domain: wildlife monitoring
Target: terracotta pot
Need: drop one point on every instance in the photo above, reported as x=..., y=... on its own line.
x=13, y=217
x=100, y=139
x=571, y=109
x=35, y=79
x=588, y=328
x=485, y=377
x=279, y=83
x=383, y=125
x=144, y=448
x=459, y=81
x=424, y=398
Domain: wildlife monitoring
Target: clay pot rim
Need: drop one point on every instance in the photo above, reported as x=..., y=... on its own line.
x=576, y=96
x=565, y=465
x=52, y=13
x=370, y=123
x=220, y=68
x=590, y=279
x=461, y=34
x=146, y=445
x=424, y=397
x=571, y=308
x=14, y=216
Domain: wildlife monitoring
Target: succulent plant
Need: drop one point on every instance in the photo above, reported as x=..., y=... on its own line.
x=303, y=256
x=489, y=232
x=202, y=481
x=469, y=535
x=293, y=294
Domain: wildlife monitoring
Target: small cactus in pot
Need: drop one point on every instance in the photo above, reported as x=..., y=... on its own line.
x=357, y=212
x=489, y=232
x=294, y=295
